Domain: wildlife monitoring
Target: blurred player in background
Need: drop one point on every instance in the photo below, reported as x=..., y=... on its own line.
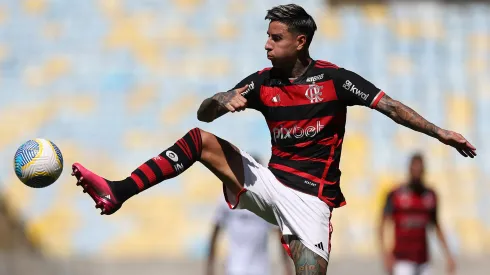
x=248, y=243
x=304, y=102
x=413, y=209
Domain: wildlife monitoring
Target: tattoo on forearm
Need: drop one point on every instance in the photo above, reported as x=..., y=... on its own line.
x=214, y=106
x=405, y=116
x=306, y=262
x=225, y=97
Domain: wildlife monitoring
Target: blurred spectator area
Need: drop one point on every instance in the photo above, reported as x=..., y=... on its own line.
x=113, y=83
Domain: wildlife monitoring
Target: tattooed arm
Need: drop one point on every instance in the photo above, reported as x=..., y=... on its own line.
x=221, y=103
x=405, y=116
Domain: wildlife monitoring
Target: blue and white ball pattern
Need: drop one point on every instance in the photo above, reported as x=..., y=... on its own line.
x=38, y=163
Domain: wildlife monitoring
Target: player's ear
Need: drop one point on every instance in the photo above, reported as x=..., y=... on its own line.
x=301, y=42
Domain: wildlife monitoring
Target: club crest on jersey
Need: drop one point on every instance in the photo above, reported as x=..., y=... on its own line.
x=314, y=93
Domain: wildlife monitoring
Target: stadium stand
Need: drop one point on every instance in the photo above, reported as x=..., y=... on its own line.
x=112, y=82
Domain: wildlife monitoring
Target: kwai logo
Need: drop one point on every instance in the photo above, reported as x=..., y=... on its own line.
x=280, y=133
x=352, y=88
x=251, y=86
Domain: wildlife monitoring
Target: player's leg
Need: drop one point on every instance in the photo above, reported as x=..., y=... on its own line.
x=307, y=262
x=218, y=155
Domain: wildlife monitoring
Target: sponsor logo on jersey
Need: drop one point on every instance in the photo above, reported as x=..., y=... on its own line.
x=315, y=78
x=178, y=167
x=310, y=183
x=251, y=86
x=353, y=89
x=280, y=133
x=314, y=93
x=276, y=99
x=172, y=155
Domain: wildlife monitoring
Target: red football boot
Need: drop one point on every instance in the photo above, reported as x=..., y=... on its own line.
x=98, y=188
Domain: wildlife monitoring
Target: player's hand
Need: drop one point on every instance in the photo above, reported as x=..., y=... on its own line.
x=451, y=266
x=457, y=141
x=389, y=261
x=232, y=100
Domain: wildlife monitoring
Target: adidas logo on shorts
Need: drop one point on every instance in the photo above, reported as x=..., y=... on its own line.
x=320, y=245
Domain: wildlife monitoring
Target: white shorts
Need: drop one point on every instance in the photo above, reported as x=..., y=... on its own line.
x=297, y=214
x=410, y=268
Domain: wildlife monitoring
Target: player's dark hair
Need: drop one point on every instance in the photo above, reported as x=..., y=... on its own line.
x=296, y=18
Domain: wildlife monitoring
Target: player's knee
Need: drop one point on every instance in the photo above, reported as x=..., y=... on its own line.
x=206, y=138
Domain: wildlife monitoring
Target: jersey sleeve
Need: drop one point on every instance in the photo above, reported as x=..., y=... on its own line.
x=388, y=207
x=353, y=89
x=252, y=94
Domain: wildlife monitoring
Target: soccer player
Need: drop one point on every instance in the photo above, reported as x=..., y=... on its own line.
x=413, y=208
x=248, y=237
x=304, y=102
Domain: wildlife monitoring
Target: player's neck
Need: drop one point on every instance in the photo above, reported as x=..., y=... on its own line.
x=298, y=68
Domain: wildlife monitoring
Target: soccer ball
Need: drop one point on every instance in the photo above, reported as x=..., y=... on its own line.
x=38, y=163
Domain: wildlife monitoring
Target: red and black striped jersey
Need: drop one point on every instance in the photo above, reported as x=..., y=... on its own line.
x=412, y=212
x=306, y=118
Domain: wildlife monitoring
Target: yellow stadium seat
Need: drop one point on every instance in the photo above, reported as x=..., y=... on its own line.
x=4, y=52
x=354, y=155
x=476, y=65
x=400, y=65
x=158, y=233
x=140, y=98
x=42, y=75
x=330, y=26
x=112, y=8
x=375, y=13
x=237, y=7
x=407, y=140
x=32, y=117
x=56, y=227
x=179, y=110
x=3, y=15
x=479, y=42
x=35, y=6
x=187, y=5
x=16, y=194
x=52, y=31
x=406, y=29
x=459, y=112
x=226, y=30
x=201, y=186
x=431, y=30
x=471, y=232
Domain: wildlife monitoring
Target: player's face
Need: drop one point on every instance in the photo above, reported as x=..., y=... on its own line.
x=282, y=46
x=417, y=170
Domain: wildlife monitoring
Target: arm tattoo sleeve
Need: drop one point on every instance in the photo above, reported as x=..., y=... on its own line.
x=214, y=107
x=306, y=262
x=405, y=116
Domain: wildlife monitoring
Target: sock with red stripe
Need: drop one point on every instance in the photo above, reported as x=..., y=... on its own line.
x=170, y=163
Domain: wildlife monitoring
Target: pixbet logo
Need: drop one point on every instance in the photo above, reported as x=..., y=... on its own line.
x=352, y=88
x=280, y=133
